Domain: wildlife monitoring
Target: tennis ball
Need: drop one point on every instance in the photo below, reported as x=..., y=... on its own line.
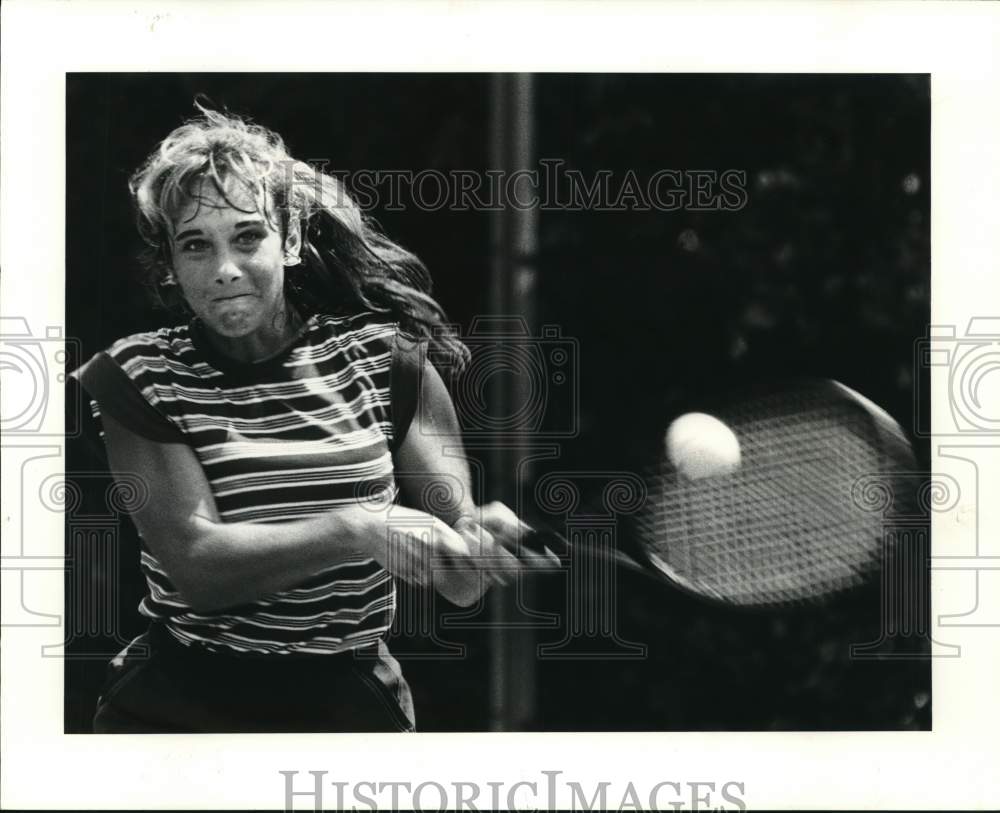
x=699, y=445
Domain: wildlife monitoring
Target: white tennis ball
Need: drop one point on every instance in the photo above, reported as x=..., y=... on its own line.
x=699, y=445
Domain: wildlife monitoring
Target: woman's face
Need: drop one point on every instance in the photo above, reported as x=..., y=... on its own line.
x=229, y=263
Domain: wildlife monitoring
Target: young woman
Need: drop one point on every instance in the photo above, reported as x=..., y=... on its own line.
x=277, y=432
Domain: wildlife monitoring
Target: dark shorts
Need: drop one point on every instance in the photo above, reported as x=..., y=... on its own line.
x=159, y=685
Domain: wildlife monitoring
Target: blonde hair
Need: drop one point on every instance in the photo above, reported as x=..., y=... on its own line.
x=348, y=265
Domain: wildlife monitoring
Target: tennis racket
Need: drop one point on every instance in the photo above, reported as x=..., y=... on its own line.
x=798, y=521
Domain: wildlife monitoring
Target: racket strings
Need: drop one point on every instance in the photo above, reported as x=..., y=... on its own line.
x=785, y=526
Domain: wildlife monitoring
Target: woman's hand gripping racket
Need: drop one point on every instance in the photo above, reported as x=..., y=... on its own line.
x=788, y=520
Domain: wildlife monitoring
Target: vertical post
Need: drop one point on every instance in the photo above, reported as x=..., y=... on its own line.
x=514, y=239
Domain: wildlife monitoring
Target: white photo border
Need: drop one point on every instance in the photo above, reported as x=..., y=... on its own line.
x=953, y=766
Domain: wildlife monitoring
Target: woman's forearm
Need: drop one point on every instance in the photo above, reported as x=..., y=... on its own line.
x=222, y=565
x=226, y=564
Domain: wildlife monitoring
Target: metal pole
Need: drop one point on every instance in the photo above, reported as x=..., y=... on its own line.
x=514, y=238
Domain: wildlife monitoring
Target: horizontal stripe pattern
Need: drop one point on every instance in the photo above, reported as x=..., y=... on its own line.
x=284, y=440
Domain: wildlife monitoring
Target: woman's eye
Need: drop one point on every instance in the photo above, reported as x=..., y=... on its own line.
x=193, y=246
x=249, y=238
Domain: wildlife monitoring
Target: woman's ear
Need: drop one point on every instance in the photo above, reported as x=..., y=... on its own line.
x=293, y=243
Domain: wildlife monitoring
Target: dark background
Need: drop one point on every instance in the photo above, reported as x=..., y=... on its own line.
x=825, y=272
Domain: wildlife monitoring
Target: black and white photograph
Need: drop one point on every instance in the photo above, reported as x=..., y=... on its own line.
x=497, y=429
x=394, y=371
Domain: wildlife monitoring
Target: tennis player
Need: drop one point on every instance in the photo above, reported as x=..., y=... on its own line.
x=280, y=431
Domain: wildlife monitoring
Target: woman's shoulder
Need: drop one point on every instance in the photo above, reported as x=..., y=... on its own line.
x=127, y=380
x=364, y=326
x=164, y=355
x=165, y=343
x=357, y=320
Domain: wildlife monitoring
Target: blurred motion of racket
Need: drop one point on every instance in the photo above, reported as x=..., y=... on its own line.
x=796, y=522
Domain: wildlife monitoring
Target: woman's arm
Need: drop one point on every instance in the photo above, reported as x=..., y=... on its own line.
x=433, y=475
x=215, y=565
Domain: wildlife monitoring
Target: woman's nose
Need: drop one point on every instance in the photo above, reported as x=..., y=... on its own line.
x=228, y=270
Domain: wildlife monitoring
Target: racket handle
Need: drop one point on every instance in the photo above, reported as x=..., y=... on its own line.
x=541, y=539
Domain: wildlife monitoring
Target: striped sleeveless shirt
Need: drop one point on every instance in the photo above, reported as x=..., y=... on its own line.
x=304, y=431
